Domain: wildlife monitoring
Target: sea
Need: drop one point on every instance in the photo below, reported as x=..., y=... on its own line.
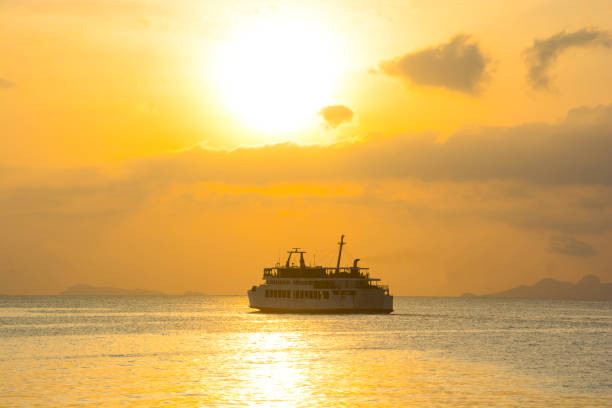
x=213, y=351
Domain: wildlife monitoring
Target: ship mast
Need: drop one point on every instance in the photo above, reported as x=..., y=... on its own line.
x=341, y=243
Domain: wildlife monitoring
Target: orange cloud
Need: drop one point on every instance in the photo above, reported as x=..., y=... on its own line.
x=335, y=115
x=5, y=83
x=458, y=65
x=544, y=53
x=452, y=212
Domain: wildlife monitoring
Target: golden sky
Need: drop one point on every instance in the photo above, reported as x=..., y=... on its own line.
x=460, y=146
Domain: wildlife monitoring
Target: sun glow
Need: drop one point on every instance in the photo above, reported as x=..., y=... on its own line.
x=275, y=74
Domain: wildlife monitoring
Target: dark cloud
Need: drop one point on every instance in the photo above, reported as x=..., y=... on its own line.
x=335, y=115
x=570, y=159
x=5, y=83
x=575, y=151
x=459, y=65
x=543, y=53
x=571, y=246
x=498, y=189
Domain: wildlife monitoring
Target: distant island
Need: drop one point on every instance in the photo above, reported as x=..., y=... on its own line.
x=589, y=287
x=90, y=290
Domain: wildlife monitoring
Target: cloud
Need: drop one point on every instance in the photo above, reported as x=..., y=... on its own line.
x=5, y=84
x=335, y=115
x=459, y=65
x=567, y=245
x=573, y=152
x=500, y=190
x=543, y=53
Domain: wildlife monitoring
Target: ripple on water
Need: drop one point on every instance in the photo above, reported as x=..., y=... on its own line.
x=210, y=351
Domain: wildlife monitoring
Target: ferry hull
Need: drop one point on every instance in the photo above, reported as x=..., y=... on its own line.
x=323, y=311
x=367, y=302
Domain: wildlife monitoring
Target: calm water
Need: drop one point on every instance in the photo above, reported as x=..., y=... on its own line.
x=212, y=351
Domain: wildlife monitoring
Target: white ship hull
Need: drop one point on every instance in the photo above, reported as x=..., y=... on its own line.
x=338, y=301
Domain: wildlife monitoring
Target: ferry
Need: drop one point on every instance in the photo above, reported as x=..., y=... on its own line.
x=294, y=288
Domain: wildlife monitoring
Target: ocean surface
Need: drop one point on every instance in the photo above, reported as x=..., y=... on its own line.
x=212, y=351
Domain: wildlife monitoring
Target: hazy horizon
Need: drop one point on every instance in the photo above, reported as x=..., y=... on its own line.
x=202, y=292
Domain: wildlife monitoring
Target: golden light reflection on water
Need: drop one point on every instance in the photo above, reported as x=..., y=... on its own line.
x=273, y=375
x=239, y=359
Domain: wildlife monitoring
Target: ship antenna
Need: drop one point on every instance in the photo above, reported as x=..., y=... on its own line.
x=341, y=243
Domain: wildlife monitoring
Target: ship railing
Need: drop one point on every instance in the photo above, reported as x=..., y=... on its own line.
x=270, y=272
x=330, y=272
x=384, y=288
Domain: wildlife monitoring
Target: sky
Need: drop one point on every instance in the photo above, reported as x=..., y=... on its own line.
x=186, y=145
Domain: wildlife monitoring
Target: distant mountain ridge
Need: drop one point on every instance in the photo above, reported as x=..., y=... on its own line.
x=589, y=287
x=88, y=290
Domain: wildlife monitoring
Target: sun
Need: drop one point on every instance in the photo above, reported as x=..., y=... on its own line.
x=275, y=73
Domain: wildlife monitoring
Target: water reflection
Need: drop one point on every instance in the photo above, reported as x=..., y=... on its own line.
x=192, y=354
x=275, y=374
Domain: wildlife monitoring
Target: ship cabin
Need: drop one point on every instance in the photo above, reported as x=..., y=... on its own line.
x=320, y=277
